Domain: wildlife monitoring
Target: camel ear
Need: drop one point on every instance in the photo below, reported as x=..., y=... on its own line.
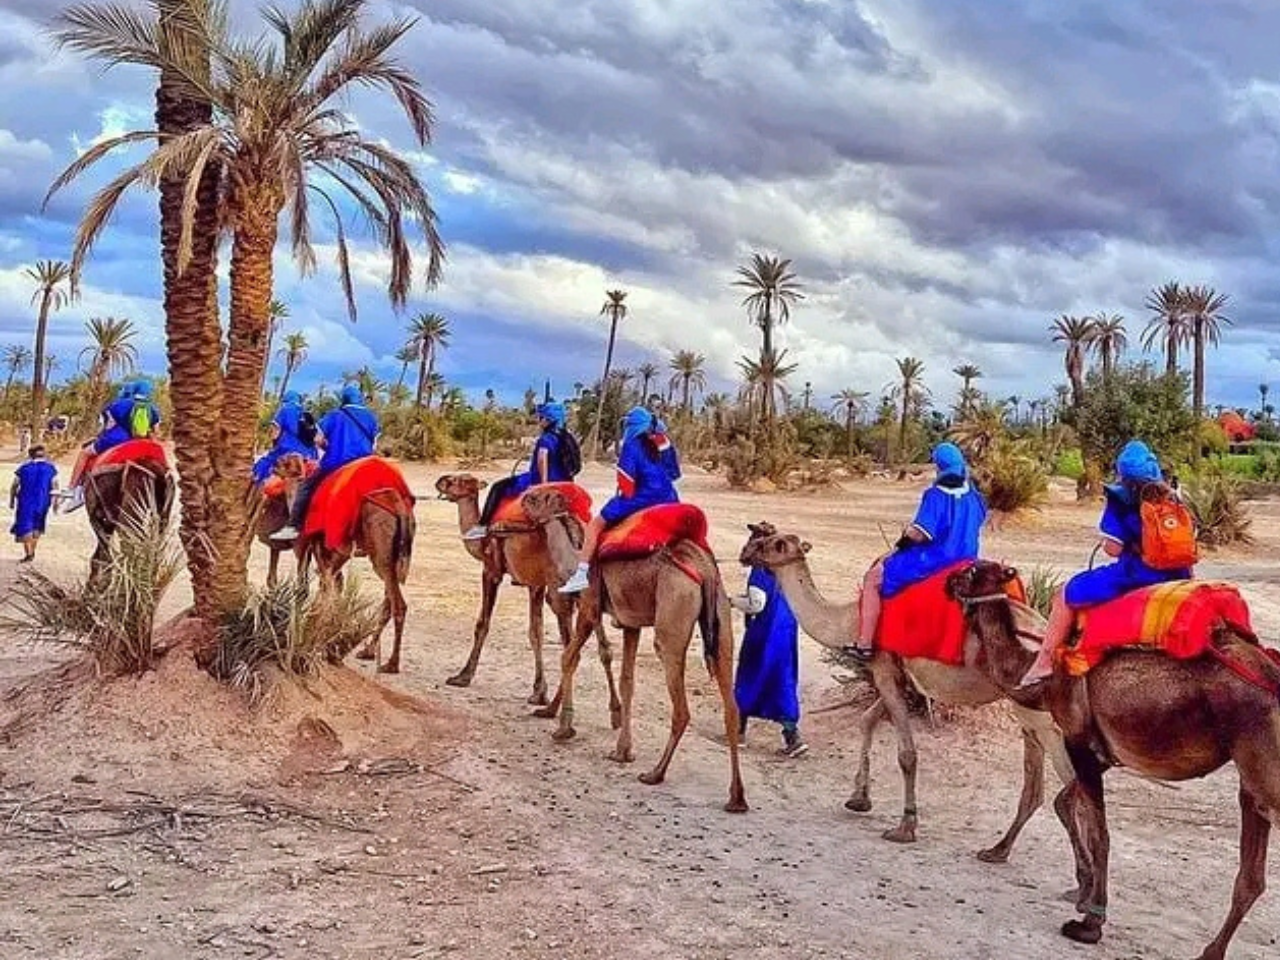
x=805, y=546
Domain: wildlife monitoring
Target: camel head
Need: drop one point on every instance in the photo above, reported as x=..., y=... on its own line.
x=755, y=531
x=291, y=467
x=542, y=504
x=455, y=487
x=771, y=550
x=985, y=578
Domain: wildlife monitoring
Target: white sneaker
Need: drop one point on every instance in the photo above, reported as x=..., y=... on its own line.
x=578, y=582
x=478, y=532
x=287, y=532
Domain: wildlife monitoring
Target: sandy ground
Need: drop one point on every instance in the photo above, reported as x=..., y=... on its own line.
x=161, y=818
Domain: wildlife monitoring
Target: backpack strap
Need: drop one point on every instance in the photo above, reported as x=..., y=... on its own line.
x=359, y=426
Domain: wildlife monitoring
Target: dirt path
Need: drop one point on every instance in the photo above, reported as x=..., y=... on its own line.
x=508, y=845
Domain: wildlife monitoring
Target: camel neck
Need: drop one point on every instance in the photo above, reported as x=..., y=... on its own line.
x=834, y=625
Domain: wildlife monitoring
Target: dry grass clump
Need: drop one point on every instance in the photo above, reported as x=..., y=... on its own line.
x=114, y=617
x=1218, y=502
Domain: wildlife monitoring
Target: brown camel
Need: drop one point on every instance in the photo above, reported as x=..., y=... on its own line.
x=836, y=625
x=658, y=591
x=111, y=489
x=1164, y=718
x=384, y=532
x=522, y=554
x=273, y=514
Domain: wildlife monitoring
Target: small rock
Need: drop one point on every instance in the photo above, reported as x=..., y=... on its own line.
x=371, y=850
x=118, y=883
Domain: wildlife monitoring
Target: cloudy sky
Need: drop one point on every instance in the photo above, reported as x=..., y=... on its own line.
x=947, y=178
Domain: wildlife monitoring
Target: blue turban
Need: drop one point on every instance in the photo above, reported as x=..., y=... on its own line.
x=351, y=395
x=292, y=397
x=554, y=411
x=637, y=422
x=141, y=390
x=126, y=390
x=949, y=461
x=1137, y=464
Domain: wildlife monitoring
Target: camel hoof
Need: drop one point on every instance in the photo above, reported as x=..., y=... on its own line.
x=1081, y=932
x=564, y=733
x=736, y=805
x=858, y=804
x=363, y=654
x=652, y=778
x=459, y=680
x=538, y=698
x=547, y=712
x=621, y=756
x=994, y=855
x=389, y=668
x=899, y=835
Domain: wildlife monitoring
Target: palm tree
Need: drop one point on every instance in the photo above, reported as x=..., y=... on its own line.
x=774, y=288
x=429, y=332
x=405, y=355
x=1014, y=403
x=910, y=391
x=764, y=378
x=275, y=121
x=51, y=363
x=851, y=403
x=16, y=359
x=1203, y=306
x=615, y=308
x=368, y=382
x=1168, y=323
x=1074, y=332
x=293, y=353
x=51, y=277
x=435, y=387
x=646, y=371
x=111, y=354
x=1263, y=390
x=1107, y=339
x=278, y=312
x=688, y=374
x=967, y=372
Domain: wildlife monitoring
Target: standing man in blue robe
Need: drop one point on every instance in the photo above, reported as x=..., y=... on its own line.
x=30, y=497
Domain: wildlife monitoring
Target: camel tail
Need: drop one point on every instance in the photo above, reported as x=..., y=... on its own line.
x=709, y=616
x=402, y=546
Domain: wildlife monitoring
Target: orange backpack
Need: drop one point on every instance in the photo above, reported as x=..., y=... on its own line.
x=1168, y=530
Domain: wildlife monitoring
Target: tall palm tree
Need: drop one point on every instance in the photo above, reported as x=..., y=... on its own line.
x=368, y=382
x=435, y=387
x=293, y=353
x=967, y=372
x=1168, y=323
x=688, y=374
x=111, y=354
x=774, y=289
x=278, y=313
x=765, y=378
x=851, y=403
x=276, y=122
x=1263, y=390
x=1107, y=339
x=405, y=355
x=646, y=371
x=429, y=332
x=910, y=391
x=52, y=279
x=51, y=363
x=615, y=308
x=1203, y=306
x=1074, y=332
x=16, y=359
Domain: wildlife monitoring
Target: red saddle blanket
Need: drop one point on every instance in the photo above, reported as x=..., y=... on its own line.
x=274, y=486
x=511, y=511
x=923, y=621
x=335, y=508
x=652, y=529
x=133, y=451
x=1177, y=618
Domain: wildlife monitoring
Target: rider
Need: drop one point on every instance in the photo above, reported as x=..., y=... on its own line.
x=345, y=434
x=131, y=416
x=667, y=450
x=1121, y=528
x=293, y=430
x=945, y=531
x=545, y=466
x=643, y=481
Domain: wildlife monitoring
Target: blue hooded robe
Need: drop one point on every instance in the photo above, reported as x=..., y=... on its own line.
x=768, y=678
x=35, y=496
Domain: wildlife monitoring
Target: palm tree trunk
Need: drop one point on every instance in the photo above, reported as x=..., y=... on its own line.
x=8, y=384
x=37, y=368
x=902, y=423
x=848, y=432
x=422, y=375
x=1075, y=375
x=684, y=405
x=1197, y=393
x=289, y=367
x=404, y=372
x=431, y=369
x=594, y=445
x=1171, y=355
x=193, y=337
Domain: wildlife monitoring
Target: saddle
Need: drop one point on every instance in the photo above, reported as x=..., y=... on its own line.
x=510, y=517
x=148, y=451
x=653, y=529
x=335, y=507
x=275, y=486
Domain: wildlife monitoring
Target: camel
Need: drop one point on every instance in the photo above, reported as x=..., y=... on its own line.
x=522, y=555
x=384, y=532
x=272, y=515
x=111, y=489
x=670, y=591
x=835, y=626
x=1160, y=717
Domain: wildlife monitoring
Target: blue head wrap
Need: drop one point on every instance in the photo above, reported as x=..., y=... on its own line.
x=554, y=411
x=1137, y=464
x=126, y=390
x=637, y=422
x=949, y=461
x=351, y=395
x=141, y=390
x=292, y=397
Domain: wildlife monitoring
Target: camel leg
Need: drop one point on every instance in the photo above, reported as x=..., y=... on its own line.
x=1251, y=880
x=488, y=597
x=623, y=752
x=394, y=608
x=1089, y=807
x=737, y=802
x=605, y=647
x=888, y=680
x=860, y=800
x=563, y=701
x=673, y=665
x=537, y=634
x=1028, y=803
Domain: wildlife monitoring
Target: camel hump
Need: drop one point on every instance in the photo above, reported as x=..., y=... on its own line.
x=654, y=528
x=143, y=450
x=335, y=508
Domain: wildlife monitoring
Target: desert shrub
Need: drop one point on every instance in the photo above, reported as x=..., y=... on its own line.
x=1011, y=478
x=1218, y=502
x=770, y=454
x=113, y=618
x=1069, y=464
x=1267, y=465
x=1243, y=465
x=412, y=434
x=293, y=630
x=1213, y=438
x=1041, y=585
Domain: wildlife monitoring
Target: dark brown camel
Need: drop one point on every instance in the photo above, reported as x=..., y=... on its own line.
x=112, y=489
x=273, y=514
x=655, y=591
x=384, y=533
x=1164, y=718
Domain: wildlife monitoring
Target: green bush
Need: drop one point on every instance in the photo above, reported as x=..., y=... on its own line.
x=1041, y=585
x=1243, y=465
x=1011, y=477
x=1069, y=464
x=1137, y=402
